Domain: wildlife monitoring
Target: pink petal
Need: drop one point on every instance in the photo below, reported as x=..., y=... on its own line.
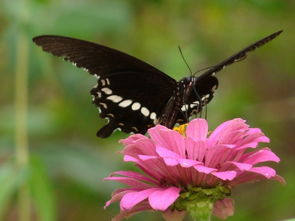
x=265, y=171
x=240, y=166
x=161, y=199
x=129, y=200
x=252, y=140
x=196, y=149
x=186, y=163
x=279, y=179
x=145, y=157
x=260, y=135
x=124, y=214
x=128, y=158
x=226, y=175
x=204, y=169
x=168, y=139
x=132, y=138
x=116, y=197
x=224, y=208
x=262, y=155
x=134, y=183
x=197, y=129
x=253, y=176
x=170, y=162
x=218, y=154
x=135, y=175
x=222, y=131
x=172, y=159
x=166, y=153
x=140, y=146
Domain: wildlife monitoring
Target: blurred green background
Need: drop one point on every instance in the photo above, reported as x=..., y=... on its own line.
x=52, y=164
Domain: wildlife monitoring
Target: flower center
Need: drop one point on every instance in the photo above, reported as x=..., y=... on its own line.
x=181, y=129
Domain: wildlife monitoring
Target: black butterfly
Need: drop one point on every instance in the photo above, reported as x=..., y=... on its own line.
x=134, y=95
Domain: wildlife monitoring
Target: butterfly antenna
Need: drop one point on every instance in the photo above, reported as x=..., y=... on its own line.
x=190, y=70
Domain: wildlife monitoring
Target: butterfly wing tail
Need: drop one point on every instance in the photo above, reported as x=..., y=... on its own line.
x=107, y=130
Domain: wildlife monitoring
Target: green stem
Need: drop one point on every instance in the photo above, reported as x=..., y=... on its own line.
x=21, y=139
x=201, y=211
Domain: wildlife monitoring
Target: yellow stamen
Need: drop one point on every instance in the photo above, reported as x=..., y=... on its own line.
x=181, y=129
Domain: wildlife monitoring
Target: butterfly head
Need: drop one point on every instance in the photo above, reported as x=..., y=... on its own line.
x=197, y=89
x=186, y=86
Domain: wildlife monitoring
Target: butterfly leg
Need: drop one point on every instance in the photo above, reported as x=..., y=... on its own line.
x=170, y=113
x=199, y=100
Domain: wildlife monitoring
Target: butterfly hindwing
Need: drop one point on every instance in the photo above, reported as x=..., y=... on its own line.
x=125, y=99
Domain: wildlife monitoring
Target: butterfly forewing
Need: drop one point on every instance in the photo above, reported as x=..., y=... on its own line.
x=239, y=56
x=130, y=93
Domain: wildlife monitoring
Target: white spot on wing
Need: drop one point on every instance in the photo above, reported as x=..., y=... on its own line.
x=104, y=105
x=184, y=107
x=118, y=128
x=135, y=129
x=108, y=81
x=103, y=82
x=107, y=90
x=194, y=104
x=125, y=103
x=205, y=97
x=135, y=106
x=153, y=116
x=110, y=115
x=145, y=111
x=115, y=98
x=98, y=94
x=108, y=119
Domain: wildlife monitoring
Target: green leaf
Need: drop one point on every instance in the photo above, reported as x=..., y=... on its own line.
x=43, y=195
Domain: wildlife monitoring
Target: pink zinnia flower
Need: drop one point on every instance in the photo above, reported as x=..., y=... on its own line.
x=182, y=168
